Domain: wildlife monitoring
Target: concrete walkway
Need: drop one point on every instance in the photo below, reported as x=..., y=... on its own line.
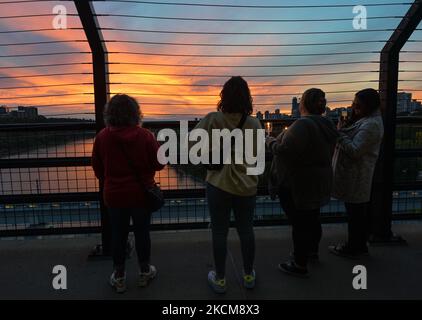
x=184, y=258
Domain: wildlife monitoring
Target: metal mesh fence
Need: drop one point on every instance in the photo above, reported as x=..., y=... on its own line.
x=175, y=62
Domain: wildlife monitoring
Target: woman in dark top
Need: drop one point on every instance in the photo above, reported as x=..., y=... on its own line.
x=119, y=149
x=303, y=174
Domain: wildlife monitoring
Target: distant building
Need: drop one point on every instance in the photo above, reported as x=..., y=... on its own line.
x=4, y=110
x=404, y=101
x=20, y=113
x=415, y=105
x=295, y=108
x=28, y=112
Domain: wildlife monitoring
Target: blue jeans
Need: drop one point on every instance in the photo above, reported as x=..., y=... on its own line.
x=120, y=222
x=220, y=205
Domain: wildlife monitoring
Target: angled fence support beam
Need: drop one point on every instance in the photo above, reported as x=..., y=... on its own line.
x=388, y=86
x=91, y=27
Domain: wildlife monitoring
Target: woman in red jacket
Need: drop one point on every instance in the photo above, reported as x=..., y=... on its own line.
x=119, y=149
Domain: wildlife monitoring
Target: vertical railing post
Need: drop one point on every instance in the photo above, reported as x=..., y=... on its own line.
x=100, y=78
x=382, y=200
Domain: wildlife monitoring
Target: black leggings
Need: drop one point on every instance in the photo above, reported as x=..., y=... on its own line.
x=306, y=227
x=220, y=204
x=120, y=222
x=357, y=225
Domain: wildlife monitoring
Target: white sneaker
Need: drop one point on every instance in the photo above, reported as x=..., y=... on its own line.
x=217, y=285
x=146, y=277
x=119, y=284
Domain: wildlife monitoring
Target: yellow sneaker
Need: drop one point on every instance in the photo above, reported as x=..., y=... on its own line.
x=249, y=280
x=218, y=285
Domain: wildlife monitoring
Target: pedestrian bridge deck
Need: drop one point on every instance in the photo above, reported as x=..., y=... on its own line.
x=183, y=259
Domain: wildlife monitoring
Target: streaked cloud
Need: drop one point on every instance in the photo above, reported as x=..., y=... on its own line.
x=130, y=73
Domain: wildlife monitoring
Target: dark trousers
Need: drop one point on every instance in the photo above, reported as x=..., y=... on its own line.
x=220, y=205
x=357, y=225
x=306, y=228
x=120, y=222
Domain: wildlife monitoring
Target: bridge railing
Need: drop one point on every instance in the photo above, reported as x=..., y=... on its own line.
x=48, y=186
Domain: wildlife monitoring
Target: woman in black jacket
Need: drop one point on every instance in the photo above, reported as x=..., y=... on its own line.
x=303, y=171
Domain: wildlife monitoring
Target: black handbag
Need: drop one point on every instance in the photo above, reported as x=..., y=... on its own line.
x=155, y=198
x=219, y=166
x=154, y=195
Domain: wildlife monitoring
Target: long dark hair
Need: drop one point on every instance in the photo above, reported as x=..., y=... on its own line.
x=370, y=101
x=235, y=97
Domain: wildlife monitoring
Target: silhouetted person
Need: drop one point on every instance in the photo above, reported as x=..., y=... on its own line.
x=229, y=188
x=354, y=163
x=120, y=149
x=303, y=174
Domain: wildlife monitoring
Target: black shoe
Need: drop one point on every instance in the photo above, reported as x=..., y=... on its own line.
x=343, y=250
x=290, y=267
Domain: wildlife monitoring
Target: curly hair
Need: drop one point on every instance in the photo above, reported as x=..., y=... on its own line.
x=122, y=111
x=313, y=100
x=235, y=97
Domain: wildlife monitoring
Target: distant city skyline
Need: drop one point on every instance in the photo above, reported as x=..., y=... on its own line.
x=405, y=104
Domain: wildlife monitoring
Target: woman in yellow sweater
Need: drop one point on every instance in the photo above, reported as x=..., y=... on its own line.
x=229, y=187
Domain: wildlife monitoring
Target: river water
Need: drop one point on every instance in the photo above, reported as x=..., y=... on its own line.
x=73, y=179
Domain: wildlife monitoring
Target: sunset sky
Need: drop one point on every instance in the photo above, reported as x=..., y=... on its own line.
x=158, y=86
